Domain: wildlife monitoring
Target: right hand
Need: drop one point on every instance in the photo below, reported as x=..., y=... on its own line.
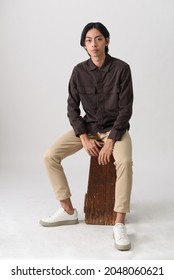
x=92, y=146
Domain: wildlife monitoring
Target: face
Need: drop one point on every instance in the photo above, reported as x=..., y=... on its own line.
x=95, y=43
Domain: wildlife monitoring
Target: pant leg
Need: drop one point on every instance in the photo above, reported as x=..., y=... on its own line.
x=65, y=146
x=122, y=154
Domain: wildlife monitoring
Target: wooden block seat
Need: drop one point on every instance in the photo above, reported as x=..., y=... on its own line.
x=100, y=196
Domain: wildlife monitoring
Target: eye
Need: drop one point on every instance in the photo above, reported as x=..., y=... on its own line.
x=88, y=40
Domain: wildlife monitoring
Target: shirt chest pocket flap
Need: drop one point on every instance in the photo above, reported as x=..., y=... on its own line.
x=87, y=90
x=88, y=97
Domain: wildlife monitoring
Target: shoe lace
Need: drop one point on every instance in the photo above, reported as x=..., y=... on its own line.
x=122, y=232
x=59, y=211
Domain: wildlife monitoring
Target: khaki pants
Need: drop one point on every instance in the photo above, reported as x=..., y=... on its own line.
x=69, y=144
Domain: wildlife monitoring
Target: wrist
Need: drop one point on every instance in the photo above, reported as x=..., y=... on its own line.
x=84, y=137
x=110, y=142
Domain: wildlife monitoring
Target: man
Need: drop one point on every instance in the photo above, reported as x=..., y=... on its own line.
x=103, y=85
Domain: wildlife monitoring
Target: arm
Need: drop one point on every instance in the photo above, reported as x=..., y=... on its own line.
x=73, y=107
x=125, y=105
x=77, y=122
x=122, y=122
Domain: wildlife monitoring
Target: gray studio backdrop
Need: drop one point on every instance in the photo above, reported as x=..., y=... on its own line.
x=39, y=47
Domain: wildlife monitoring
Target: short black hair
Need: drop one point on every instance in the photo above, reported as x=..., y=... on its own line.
x=100, y=27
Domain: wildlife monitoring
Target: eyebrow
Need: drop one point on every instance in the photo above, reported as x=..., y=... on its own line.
x=94, y=37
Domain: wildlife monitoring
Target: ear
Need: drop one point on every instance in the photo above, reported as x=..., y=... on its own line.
x=107, y=41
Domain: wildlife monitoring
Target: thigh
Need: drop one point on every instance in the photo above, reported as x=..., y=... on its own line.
x=66, y=145
x=123, y=149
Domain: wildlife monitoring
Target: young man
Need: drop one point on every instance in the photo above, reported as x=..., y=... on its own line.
x=103, y=85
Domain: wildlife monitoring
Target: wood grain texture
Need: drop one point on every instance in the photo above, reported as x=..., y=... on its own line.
x=100, y=196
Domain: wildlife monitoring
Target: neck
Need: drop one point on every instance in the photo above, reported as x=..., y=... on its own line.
x=99, y=60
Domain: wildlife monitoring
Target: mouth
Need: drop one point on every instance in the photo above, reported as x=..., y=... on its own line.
x=95, y=50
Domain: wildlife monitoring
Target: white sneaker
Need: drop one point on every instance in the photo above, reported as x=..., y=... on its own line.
x=61, y=217
x=122, y=241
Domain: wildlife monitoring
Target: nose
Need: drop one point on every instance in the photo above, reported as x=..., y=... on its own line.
x=94, y=43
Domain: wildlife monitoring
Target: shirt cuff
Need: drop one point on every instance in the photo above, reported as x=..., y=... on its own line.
x=116, y=134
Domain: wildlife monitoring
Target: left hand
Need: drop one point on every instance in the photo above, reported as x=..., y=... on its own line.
x=105, y=152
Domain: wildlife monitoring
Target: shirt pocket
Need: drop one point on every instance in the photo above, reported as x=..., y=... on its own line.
x=111, y=99
x=88, y=97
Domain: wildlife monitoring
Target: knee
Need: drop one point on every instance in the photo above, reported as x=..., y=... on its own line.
x=49, y=157
x=46, y=156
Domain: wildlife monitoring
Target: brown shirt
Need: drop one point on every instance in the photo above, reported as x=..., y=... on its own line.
x=106, y=95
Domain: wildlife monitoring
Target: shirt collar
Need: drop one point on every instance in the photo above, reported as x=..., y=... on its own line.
x=106, y=65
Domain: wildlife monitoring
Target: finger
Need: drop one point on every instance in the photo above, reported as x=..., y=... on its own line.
x=101, y=160
x=98, y=143
x=96, y=151
x=108, y=158
x=105, y=159
x=93, y=153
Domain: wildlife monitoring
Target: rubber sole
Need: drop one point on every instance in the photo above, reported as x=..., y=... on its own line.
x=122, y=247
x=61, y=223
